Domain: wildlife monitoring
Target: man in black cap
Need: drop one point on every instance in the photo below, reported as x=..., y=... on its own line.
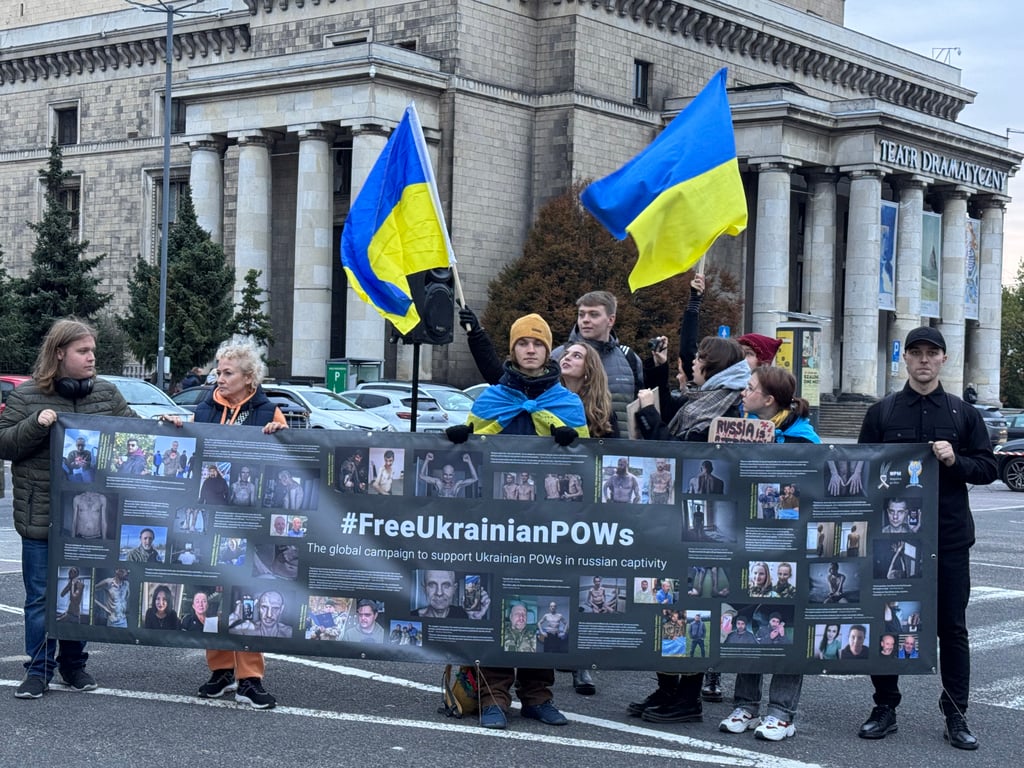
x=922, y=412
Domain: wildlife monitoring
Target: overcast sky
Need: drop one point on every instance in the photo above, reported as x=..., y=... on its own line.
x=991, y=59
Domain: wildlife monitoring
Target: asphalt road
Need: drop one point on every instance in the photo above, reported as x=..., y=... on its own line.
x=350, y=713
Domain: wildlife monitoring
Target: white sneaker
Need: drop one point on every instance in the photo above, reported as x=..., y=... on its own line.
x=773, y=729
x=739, y=721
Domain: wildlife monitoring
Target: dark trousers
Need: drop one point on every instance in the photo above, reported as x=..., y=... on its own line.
x=954, y=592
x=533, y=686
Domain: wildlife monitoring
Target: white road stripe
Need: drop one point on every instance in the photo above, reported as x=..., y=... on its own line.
x=726, y=756
x=988, y=594
x=997, y=565
x=1007, y=693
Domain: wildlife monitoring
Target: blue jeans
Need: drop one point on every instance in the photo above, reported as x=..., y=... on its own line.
x=783, y=695
x=42, y=650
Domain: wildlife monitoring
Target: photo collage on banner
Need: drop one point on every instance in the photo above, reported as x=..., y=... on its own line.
x=653, y=555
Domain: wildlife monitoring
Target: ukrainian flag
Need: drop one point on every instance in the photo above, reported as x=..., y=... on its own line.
x=677, y=196
x=395, y=226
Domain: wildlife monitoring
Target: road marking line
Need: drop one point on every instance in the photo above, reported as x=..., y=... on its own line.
x=988, y=594
x=998, y=565
x=727, y=756
x=1007, y=693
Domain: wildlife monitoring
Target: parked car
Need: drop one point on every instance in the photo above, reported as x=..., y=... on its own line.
x=475, y=391
x=146, y=400
x=1015, y=427
x=190, y=397
x=452, y=401
x=396, y=407
x=1010, y=459
x=327, y=409
x=995, y=423
x=9, y=381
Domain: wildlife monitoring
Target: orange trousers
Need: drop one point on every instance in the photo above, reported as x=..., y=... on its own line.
x=244, y=663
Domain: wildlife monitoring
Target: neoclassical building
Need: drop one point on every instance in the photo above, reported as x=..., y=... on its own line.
x=872, y=210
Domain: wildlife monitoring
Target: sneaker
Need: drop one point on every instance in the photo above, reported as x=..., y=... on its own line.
x=739, y=721
x=712, y=690
x=547, y=713
x=221, y=681
x=492, y=716
x=250, y=691
x=676, y=711
x=79, y=680
x=31, y=688
x=773, y=729
x=880, y=723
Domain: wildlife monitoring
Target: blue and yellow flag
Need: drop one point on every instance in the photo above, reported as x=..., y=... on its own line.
x=395, y=226
x=679, y=194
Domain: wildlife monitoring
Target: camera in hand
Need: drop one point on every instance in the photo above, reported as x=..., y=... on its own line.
x=656, y=344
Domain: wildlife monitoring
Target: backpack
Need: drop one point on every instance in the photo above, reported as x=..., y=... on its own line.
x=460, y=691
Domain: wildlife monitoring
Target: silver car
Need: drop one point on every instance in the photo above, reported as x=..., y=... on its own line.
x=454, y=402
x=146, y=400
x=327, y=409
x=396, y=407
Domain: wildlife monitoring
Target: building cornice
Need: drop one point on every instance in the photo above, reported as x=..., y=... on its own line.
x=140, y=51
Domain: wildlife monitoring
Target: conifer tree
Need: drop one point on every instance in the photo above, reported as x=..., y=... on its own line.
x=61, y=281
x=141, y=323
x=16, y=354
x=250, y=320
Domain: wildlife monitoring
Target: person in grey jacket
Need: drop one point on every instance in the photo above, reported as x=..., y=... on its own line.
x=63, y=381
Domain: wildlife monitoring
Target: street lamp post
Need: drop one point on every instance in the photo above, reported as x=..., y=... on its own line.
x=170, y=9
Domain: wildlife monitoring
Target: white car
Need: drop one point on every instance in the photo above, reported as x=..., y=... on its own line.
x=452, y=401
x=148, y=401
x=396, y=407
x=327, y=409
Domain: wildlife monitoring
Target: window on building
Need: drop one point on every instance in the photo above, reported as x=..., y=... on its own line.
x=177, y=189
x=641, y=82
x=70, y=197
x=409, y=45
x=65, y=124
x=177, y=116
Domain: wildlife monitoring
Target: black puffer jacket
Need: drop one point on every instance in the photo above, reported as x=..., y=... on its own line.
x=27, y=446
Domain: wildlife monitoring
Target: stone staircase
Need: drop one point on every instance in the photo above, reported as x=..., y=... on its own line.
x=841, y=419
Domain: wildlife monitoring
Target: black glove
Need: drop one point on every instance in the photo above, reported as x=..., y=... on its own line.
x=459, y=433
x=468, y=320
x=564, y=435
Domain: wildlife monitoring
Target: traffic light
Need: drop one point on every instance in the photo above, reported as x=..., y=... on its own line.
x=434, y=296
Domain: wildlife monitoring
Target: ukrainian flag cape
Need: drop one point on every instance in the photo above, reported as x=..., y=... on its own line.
x=495, y=409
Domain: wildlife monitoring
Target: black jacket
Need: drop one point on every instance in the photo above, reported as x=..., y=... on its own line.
x=913, y=418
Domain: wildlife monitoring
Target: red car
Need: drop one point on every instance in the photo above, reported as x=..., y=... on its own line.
x=9, y=381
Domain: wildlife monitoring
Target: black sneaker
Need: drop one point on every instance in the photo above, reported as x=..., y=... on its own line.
x=677, y=711
x=662, y=695
x=79, y=680
x=250, y=691
x=31, y=688
x=880, y=723
x=221, y=681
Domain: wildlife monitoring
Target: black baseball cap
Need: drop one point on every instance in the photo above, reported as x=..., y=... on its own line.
x=925, y=335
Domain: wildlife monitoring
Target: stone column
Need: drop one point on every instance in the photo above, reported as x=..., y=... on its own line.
x=820, y=268
x=953, y=284
x=364, y=327
x=254, y=211
x=908, y=268
x=771, y=247
x=863, y=253
x=984, y=352
x=206, y=180
x=311, y=314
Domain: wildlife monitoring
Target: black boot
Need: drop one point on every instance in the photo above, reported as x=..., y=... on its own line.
x=685, y=706
x=664, y=694
x=712, y=690
x=583, y=683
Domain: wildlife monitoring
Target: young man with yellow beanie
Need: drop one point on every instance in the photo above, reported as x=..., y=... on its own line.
x=528, y=400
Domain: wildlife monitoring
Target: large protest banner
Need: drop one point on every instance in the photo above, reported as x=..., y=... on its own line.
x=506, y=550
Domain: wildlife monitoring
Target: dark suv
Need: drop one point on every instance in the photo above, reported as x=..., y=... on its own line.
x=995, y=423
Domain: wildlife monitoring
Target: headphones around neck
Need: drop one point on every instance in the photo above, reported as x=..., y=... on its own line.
x=73, y=389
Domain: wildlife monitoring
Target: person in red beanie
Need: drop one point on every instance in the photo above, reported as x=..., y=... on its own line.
x=760, y=349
